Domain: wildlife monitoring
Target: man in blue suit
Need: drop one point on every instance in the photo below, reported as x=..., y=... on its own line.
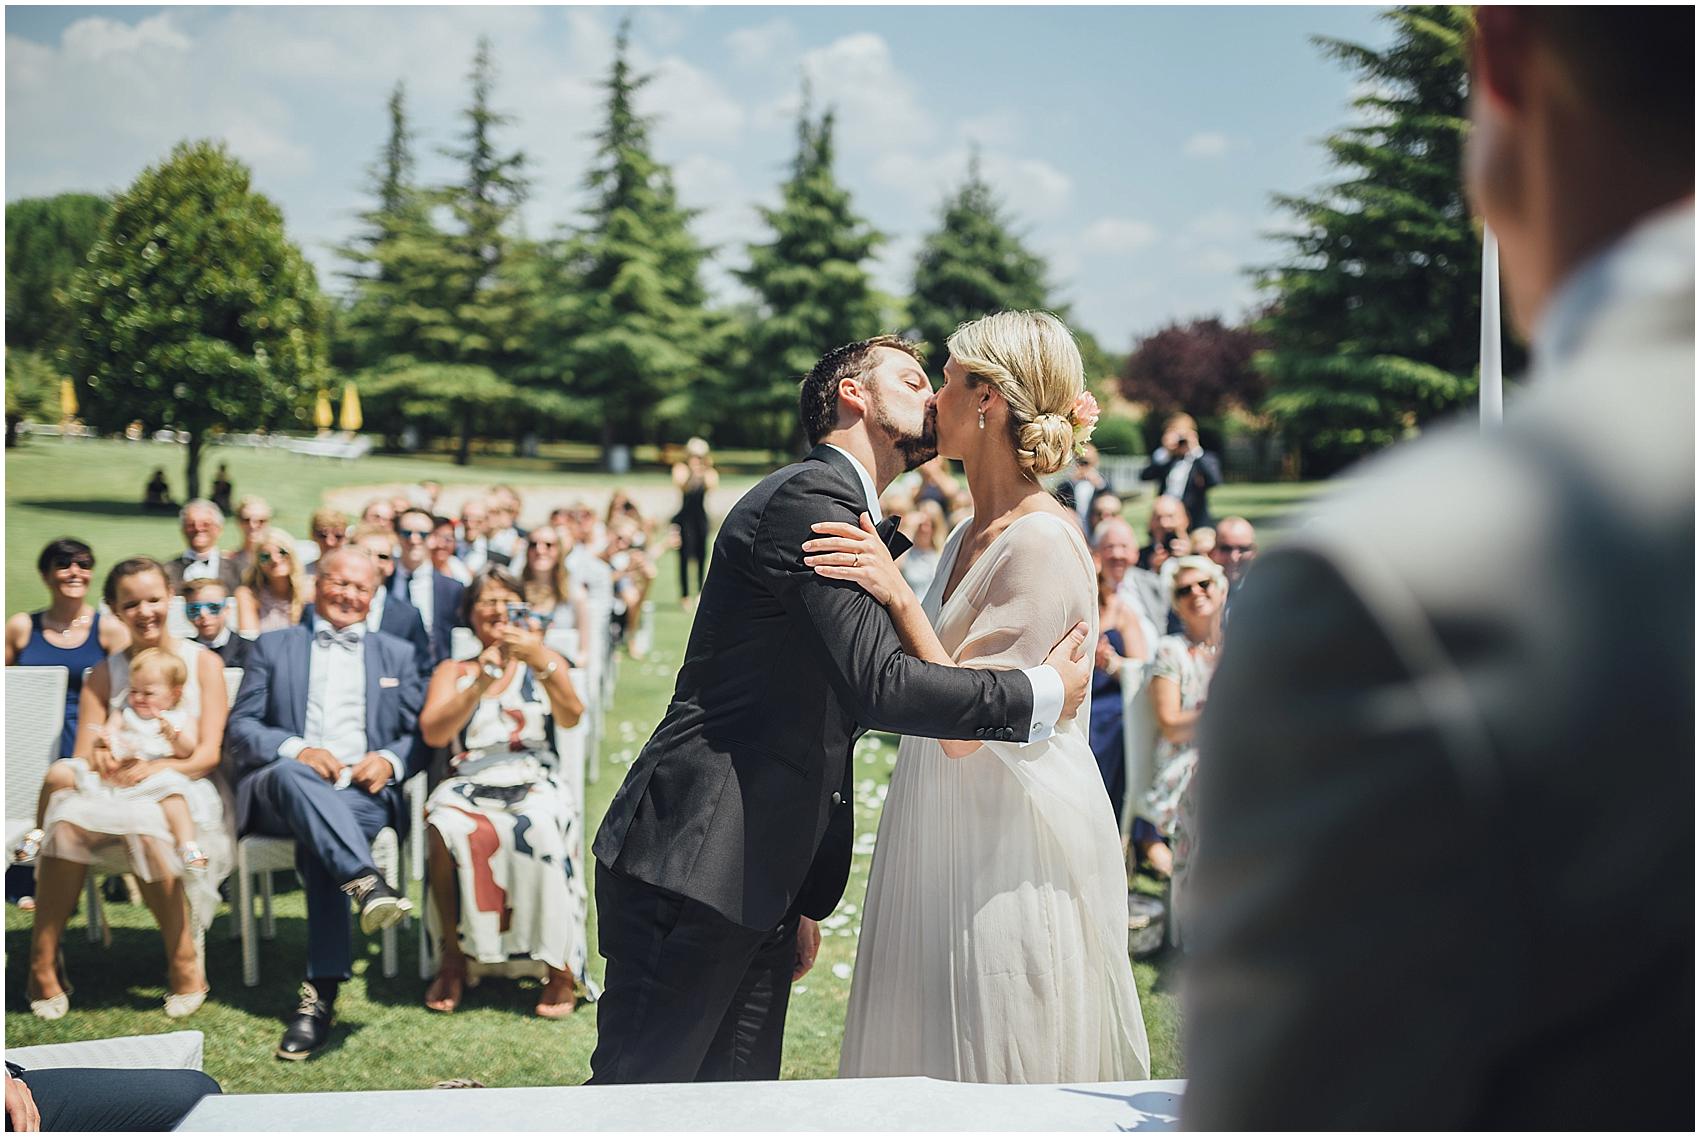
x=388, y=612
x=434, y=595
x=320, y=739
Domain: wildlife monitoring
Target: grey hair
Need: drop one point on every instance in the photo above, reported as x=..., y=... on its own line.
x=200, y=503
x=1102, y=533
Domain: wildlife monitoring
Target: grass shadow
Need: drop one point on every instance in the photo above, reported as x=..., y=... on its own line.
x=99, y=507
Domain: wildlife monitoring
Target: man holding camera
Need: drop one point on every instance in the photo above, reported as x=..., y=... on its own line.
x=1182, y=468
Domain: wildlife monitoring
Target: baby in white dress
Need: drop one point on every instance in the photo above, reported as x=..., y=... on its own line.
x=150, y=728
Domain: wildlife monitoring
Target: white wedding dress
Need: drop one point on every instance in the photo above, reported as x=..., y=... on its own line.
x=994, y=935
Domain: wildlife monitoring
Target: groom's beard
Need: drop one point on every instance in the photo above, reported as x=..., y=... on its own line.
x=913, y=448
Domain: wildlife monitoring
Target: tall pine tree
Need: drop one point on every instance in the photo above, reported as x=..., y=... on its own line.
x=1375, y=314
x=972, y=265
x=810, y=280
x=628, y=331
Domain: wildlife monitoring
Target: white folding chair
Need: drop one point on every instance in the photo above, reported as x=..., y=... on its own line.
x=258, y=857
x=1139, y=740
x=35, y=719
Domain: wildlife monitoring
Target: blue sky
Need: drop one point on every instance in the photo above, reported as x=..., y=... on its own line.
x=1137, y=147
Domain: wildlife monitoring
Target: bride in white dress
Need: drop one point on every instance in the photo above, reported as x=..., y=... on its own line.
x=994, y=935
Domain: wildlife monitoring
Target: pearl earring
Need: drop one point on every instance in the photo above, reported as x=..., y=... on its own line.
x=982, y=420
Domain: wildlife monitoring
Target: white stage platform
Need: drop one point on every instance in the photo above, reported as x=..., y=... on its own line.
x=868, y=1104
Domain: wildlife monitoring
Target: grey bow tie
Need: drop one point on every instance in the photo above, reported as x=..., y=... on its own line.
x=348, y=638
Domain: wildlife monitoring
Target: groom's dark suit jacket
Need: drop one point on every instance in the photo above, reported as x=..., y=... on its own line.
x=741, y=800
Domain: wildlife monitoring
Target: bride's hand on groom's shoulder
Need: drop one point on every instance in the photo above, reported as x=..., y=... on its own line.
x=856, y=553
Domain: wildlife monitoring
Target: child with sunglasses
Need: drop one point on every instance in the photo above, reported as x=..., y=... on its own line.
x=207, y=605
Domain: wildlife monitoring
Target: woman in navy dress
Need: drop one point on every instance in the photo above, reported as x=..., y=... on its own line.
x=68, y=633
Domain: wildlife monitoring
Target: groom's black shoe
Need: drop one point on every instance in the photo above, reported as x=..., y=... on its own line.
x=309, y=1029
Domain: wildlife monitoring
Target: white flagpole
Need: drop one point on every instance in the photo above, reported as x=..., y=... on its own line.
x=1492, y=389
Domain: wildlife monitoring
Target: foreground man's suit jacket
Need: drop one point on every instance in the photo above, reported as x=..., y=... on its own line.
x=1445, y=872
x=742, y=797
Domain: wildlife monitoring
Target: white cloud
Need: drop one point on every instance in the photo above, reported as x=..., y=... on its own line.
x=875, y=102
x=1030, y=188
x=996, y=128
x=95, y=38
x=691, y=105
x=1206, y=144
x=763, y=44
x=1118, y=235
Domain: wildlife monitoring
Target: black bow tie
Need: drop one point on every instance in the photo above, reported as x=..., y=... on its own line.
x=895, y=542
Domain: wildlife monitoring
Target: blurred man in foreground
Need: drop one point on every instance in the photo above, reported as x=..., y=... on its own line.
x=1444, y=875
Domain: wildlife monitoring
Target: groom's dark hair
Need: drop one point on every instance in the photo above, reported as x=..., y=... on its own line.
x=817, y=407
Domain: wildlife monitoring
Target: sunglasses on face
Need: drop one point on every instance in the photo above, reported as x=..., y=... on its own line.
x=1201, y=586
x=1236, y=550
x=267, y=556
x=196, y=609
x=77, y=561
x=409, y=534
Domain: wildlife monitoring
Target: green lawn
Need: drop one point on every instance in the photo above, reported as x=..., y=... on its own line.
x=386, y=1039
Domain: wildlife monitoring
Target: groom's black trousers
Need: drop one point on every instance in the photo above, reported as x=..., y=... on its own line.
x=688, y=996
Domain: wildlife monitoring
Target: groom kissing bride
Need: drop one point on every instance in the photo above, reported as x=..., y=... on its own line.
x=993, y=945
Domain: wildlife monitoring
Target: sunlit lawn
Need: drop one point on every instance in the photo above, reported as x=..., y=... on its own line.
x=386, y=1039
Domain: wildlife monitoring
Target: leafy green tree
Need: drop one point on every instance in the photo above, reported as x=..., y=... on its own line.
x=810, y=280
x=624, y=323
x=194, y=309
x=32, y=389
x=438, y=321
x=1375, y=312
x=973, y=264
x=46, y=241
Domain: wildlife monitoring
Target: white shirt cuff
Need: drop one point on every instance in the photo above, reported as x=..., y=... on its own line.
x=290, y=748
x=395, y=765
x=1047, y=701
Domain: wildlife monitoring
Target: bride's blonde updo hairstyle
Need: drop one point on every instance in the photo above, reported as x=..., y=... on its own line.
x=1030, y=357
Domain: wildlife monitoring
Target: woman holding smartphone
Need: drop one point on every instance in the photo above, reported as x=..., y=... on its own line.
x=504, y=812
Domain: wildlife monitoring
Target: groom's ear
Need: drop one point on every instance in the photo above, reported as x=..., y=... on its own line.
x=852, y=398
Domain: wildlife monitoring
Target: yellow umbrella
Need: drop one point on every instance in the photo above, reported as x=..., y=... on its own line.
x=67, y=399
x=351, y=420
x=322, y=411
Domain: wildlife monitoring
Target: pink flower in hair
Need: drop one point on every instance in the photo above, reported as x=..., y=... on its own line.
x=1084, y=416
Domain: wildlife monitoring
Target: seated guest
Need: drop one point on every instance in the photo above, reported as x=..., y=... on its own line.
x=924, y=526
x=387, y=611
x=1183, y=469
x=441, y=546
x=1122, y=643
x=1083, y=485
x=554, y=598
x=1166, y=528
x=274, y=589
x=330, y=530
x=380, y=511
x=503, y=813
x=506, y=537
x=82, y=1100
x=433, y=595
x=221, y=487
x=203, y=525
x=156, y=495
x=1180, y=683
x=633, y=574
x=253, y=517
x=1116, y=552
x=321, y=738
x=588, y=534
x=1104, y=507
x=81, y=825
x=68, y=633
x=1235, y=550
x=208, y=608
x=473, y=548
